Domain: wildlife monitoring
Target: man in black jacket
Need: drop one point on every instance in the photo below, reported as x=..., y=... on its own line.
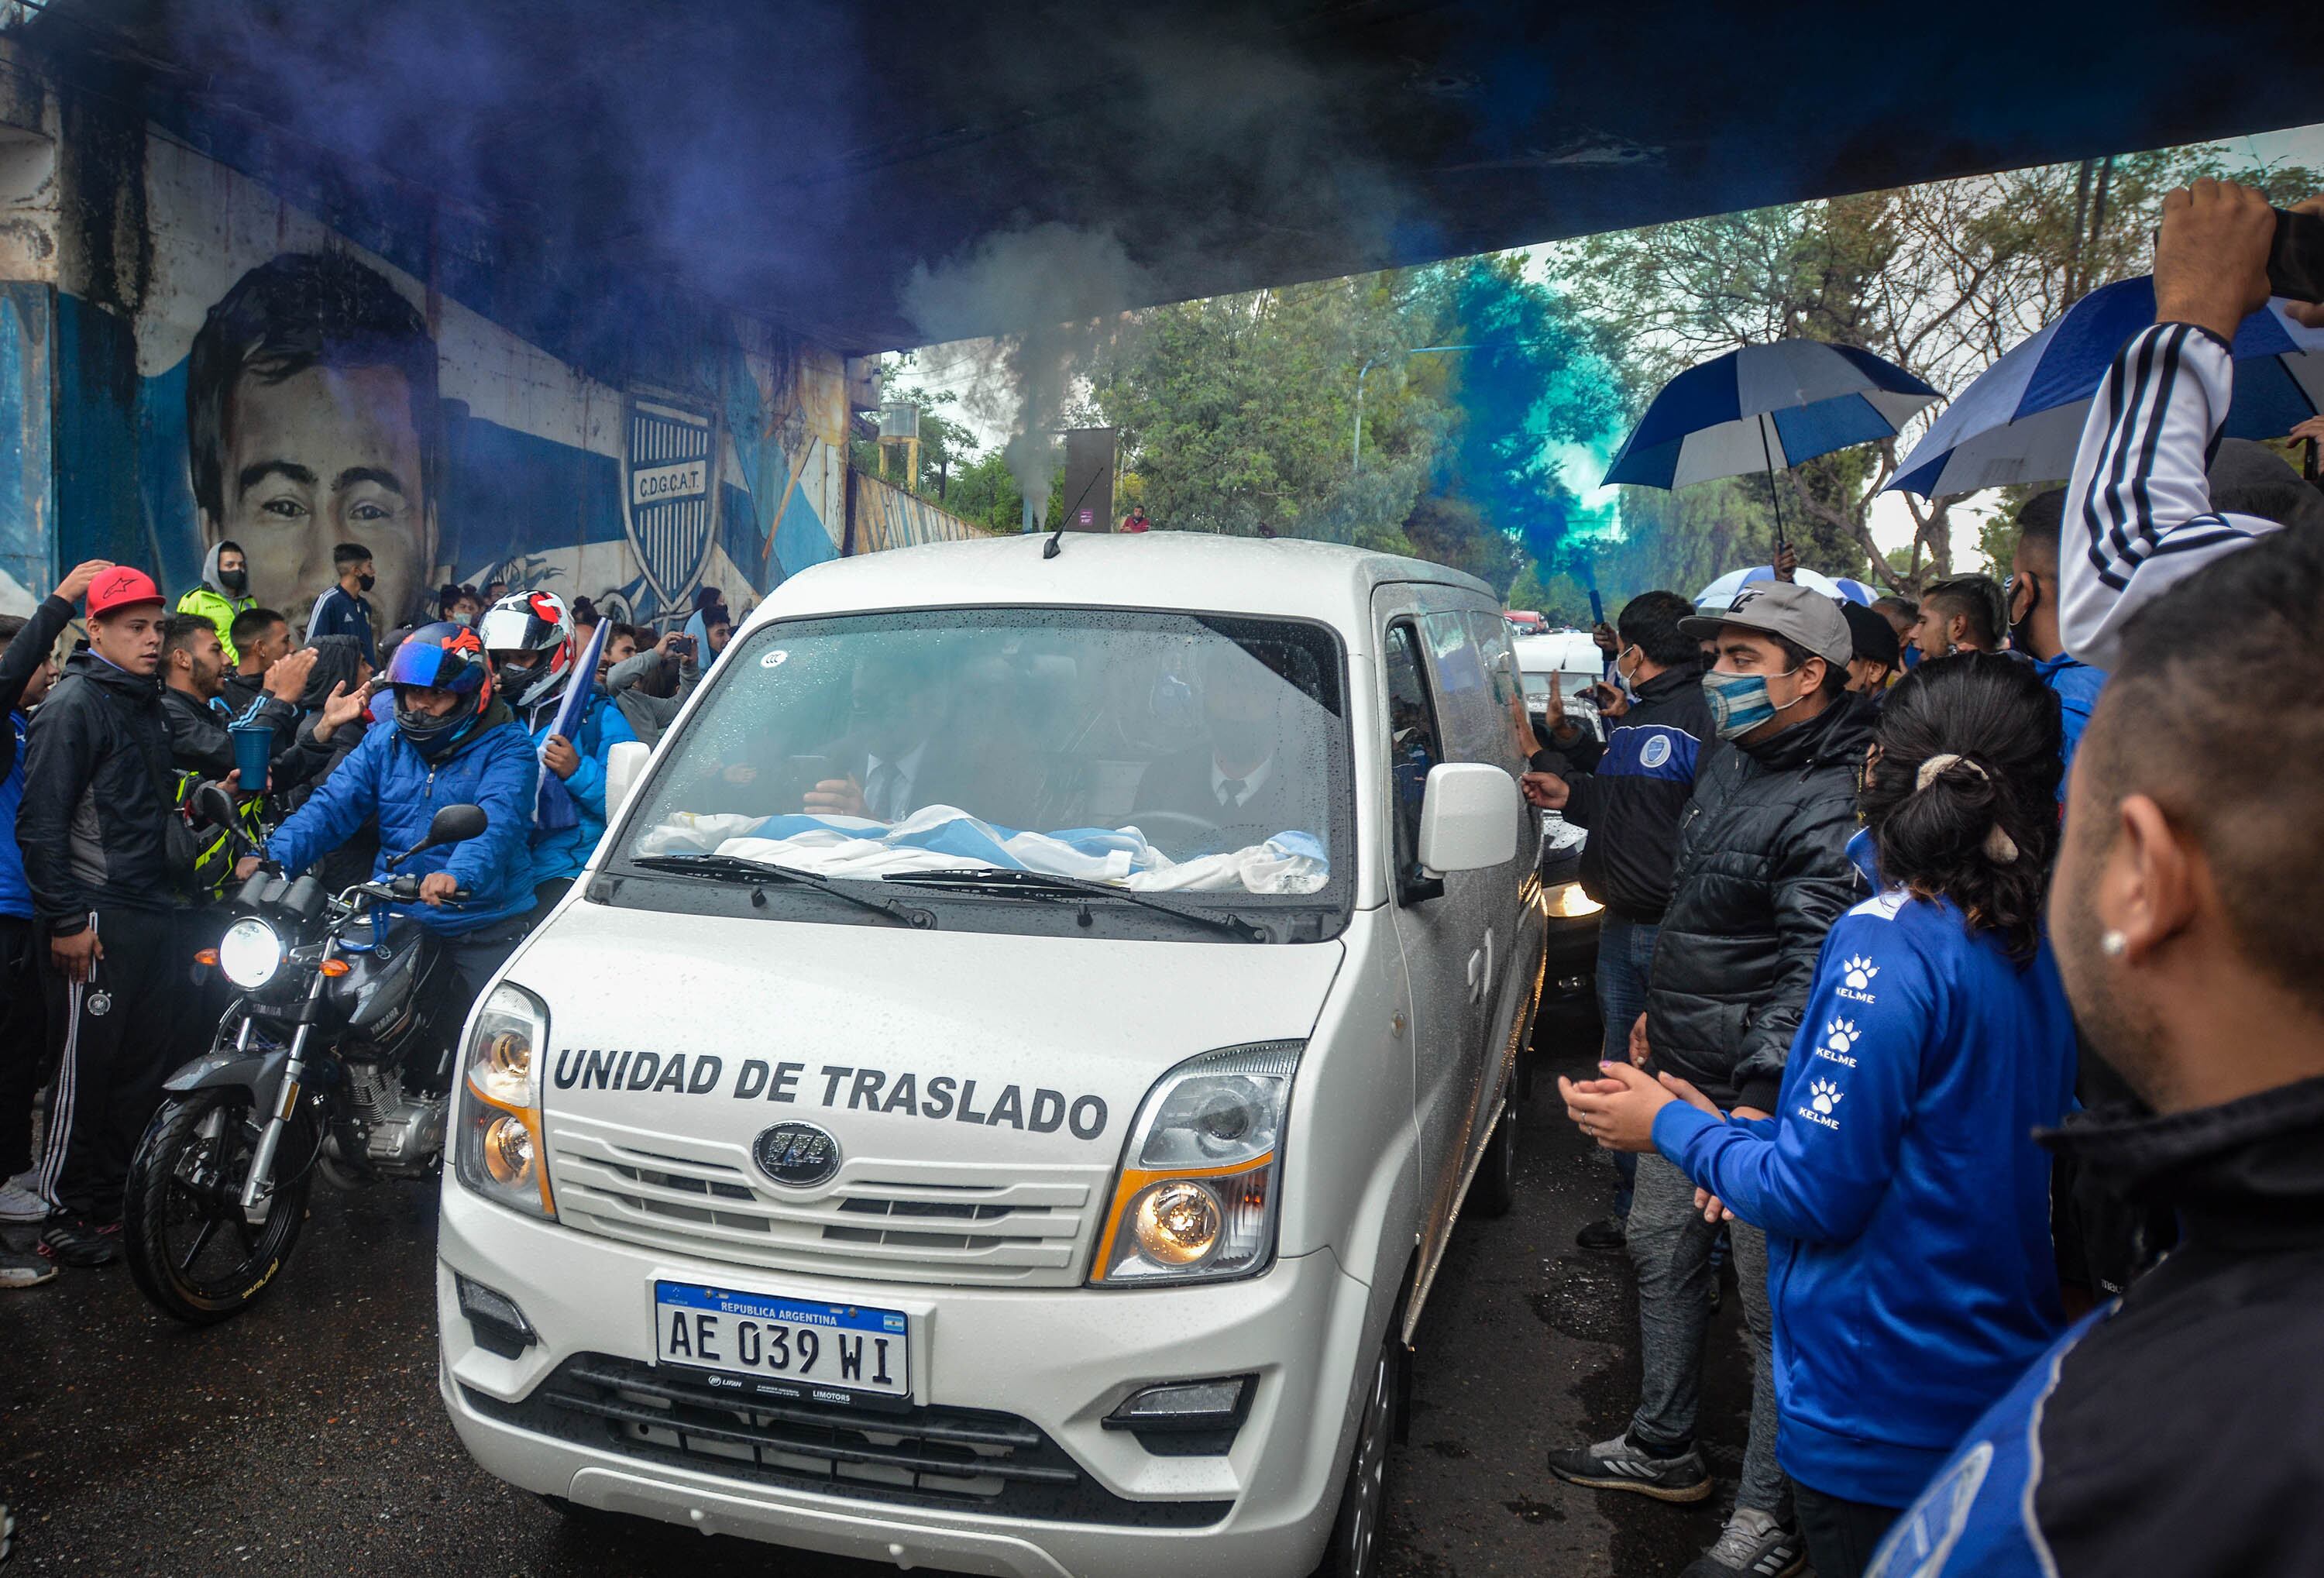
x=2175, y=1433
x=1629, y=793
x=1762, y=871
x=193, y=666
x=27, y=1050
x=93, y=828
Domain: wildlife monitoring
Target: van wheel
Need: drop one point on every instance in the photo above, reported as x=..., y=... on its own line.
x=1354, y=1548
x=1495, y=1187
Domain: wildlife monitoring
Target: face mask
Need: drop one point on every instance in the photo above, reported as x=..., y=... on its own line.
x=1627, y=681
x=2020, y=629
x=1740, y=703
x=235, y=581
x=366, y=582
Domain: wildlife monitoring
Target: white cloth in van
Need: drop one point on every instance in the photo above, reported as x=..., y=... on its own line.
x=946, y=838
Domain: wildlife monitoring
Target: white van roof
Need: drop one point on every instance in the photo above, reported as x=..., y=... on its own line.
x=1283, y=577
x=1568, y=651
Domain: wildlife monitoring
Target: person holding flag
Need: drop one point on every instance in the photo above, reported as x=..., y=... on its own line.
x=530, y=641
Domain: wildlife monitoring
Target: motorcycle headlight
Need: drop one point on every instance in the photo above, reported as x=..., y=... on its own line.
x=499, y=1153
x=250, y=953
x=1199, y=1189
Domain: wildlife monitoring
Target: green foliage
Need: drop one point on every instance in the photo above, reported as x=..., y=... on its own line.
x=1941, y=279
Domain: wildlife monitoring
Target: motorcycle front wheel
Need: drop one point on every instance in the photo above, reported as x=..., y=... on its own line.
x=192, y=1248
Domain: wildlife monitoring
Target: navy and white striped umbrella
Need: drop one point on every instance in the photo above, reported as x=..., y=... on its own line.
x=1764, y=407
x=2021, y=419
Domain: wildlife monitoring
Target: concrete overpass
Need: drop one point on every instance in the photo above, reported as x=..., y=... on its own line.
x=796, y=160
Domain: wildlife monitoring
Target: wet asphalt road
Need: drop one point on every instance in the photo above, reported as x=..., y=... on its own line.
x=307, y=1437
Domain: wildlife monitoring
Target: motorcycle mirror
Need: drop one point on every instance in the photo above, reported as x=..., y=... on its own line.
x=215, y=805
x=452, y=825
x=456, y=825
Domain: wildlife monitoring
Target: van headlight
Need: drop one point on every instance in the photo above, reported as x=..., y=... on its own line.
x=1567, y=901
x=249, y=953
x=499, y=1154
x=1200, y=1181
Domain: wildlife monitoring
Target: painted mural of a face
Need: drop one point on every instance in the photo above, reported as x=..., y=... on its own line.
x=311, y=420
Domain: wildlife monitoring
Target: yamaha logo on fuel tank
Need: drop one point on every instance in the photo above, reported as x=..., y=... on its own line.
x=798, y=1154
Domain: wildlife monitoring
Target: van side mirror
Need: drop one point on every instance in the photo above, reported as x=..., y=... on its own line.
x=625, y=763
x=1469, y=816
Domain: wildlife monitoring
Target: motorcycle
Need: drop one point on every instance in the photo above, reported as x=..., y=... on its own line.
x=330, y=1061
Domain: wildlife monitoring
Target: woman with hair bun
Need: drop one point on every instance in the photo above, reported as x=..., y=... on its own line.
x=1905, y=1203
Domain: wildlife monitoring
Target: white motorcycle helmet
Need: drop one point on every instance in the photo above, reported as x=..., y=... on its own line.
x=529, y=621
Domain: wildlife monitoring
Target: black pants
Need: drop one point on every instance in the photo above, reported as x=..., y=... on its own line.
x=123, y=1031
x=28, y=1052
x=1841, y=1535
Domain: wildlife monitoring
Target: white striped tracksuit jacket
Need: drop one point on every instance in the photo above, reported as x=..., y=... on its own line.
x=2138, y=512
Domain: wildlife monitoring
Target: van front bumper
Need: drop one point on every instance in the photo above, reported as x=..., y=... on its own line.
x=1059, y=1361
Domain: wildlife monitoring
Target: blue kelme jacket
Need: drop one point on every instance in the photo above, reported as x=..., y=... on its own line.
x=1906, y=1206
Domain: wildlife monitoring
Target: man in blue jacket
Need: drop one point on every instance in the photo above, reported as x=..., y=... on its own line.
x=535, y=657
x=454, y=744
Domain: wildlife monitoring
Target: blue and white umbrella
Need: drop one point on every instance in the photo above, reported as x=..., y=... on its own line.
x=2021, y=419
x=1720, y=594
x=1764, y=407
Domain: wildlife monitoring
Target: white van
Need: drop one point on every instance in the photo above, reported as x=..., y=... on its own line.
x=1035, y=1161
x=1567, y=660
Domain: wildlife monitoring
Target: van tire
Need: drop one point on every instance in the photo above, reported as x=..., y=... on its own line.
x=1354, y=1549
x=1494, y=1190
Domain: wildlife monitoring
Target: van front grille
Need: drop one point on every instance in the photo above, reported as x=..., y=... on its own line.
x=968, y=1459
x=1018, y=1225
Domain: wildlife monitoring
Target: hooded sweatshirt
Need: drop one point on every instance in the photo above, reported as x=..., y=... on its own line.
x=698, y=629
x=1906, y=1201
x=214, y=603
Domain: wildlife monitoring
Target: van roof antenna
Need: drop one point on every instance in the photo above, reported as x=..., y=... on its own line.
x=1058, y=538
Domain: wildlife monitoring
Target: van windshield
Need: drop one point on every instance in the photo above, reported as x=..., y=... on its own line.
x=1149, y=751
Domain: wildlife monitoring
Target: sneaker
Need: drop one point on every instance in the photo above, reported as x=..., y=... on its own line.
x=1605, y=1234
x=18, y=1203
x=75, y=1240
x=1754, y=1545
x=1621, y=1464
x=24, y=1271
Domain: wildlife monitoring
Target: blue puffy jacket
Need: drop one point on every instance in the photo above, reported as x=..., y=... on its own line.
x=386, y=777
x=563, y=853
x=1905, y=1204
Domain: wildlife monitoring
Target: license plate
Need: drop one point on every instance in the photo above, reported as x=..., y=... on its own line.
x=767, y=1345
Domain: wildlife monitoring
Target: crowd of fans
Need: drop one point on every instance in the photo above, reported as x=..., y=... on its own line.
x=2003, y=1085
x=111, y=881
x=1941, y=1045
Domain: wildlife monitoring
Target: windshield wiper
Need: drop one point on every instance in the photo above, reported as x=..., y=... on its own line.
x=733, y=868
x=1000, y=879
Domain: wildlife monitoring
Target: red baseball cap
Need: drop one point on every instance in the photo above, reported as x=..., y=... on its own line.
x=121, y=588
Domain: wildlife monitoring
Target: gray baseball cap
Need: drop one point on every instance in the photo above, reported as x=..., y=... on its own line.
x=1784, y=608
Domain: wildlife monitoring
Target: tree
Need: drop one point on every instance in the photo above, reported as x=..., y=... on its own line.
x=1941, y=279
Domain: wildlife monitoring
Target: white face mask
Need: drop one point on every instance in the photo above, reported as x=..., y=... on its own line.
x=1627, y=681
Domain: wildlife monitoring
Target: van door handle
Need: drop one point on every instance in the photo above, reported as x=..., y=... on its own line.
x=1480, y=970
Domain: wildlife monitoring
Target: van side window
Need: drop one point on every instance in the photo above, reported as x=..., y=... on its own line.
x=1414, y=745
x=1500, y=655
x=1475, y=722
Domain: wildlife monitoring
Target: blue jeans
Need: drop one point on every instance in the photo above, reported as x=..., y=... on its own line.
x=1626, y=951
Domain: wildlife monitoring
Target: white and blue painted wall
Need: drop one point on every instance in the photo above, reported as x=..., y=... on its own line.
x=598, y=442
